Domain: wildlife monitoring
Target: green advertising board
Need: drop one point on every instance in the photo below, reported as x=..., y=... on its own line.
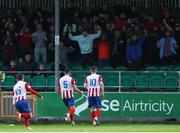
x=115, y=105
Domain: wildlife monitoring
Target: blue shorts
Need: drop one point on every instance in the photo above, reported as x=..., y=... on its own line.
x=69, y=102
x=22, y=106
x=94, y=102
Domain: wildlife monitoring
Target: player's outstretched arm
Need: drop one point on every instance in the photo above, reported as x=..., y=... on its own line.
x=86, y=84
x=29, y=88
x=58, y=89
x=101, y=85
x=73, y=82
x=73, y=38
x=76, y=89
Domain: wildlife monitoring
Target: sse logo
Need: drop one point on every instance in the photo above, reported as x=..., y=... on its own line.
x=106, y=105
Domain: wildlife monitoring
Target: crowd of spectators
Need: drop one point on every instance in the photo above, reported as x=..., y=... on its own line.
x=121, y=36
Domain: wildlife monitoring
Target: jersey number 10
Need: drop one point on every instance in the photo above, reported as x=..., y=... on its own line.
x=92, y=82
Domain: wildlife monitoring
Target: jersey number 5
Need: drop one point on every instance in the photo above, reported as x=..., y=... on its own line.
x=65, y=84
x=18, y=91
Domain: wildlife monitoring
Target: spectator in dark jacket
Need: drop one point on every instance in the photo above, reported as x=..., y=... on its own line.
x=64, y=51
x=134, y=52
x=9, y=49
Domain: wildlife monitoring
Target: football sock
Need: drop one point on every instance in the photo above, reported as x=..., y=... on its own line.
x=72, y=118
x=98, y=113
x=71, y=111
x=92, y=115
x=26, y=122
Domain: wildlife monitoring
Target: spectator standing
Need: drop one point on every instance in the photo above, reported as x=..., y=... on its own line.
x=51, y=42
x=9, y=48
x=151, y=26
x=150, y=51
x=64, y=51
x=168, y=21
x=85, y=42
x=39, y=37
x=25, y=41
x=119, y=48
x=103, y=51
x=120, y=22
x=167, y=45
x=177, y=37
x=134, y=52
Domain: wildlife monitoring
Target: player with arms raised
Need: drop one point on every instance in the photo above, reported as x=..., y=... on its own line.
x=20, y=100
x=66, y=87
x=94, y=85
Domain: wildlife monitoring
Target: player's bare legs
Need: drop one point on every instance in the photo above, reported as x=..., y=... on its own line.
x=70, y=114
x=18, y=115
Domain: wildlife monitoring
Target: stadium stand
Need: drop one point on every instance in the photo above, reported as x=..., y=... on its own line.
x=142, y=83
x=151, y=68
x=156, y=83
x=127, y=83
x=77, y=68
x=50, y=82
x=27, y=78
x=9, y=82
x=38, y=82
x=107, y=68
x=171, y=84
x=121, y=68
x=111, y=80
x=80, y=79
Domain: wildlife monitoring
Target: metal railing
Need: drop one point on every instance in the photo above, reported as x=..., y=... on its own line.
x=7, y=109
x=47, y=4
x=117, y=77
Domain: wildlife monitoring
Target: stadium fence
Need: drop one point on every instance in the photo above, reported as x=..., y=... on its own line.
x=116, y=81
x=7, y=108
x=47, y=4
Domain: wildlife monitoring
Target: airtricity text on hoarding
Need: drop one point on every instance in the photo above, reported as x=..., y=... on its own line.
x=143, y=106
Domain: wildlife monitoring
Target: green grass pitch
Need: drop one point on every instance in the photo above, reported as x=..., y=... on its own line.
x=89, y=128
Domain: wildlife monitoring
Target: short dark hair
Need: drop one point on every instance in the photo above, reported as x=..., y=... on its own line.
x=66, y=71
x=20, y=76
x=93, y=68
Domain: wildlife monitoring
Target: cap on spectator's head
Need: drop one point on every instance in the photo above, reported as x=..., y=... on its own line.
x=20, y=76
